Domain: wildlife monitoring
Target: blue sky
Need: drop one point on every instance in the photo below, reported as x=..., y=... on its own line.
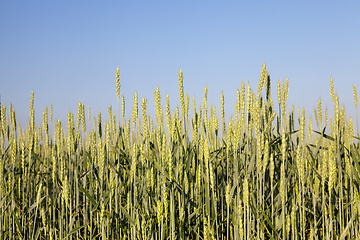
x=68, y=51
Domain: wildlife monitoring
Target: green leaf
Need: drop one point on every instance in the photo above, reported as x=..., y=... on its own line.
x=127, y=215
x=267, y=219
x=86, y=173
x=74, y=231
x=319, y=143
x=324, y=135
x=35, y=204
x=92, y=200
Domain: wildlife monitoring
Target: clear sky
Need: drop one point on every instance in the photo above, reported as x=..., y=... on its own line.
x=68, y=51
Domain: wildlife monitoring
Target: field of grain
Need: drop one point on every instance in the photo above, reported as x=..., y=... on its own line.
x=272, y=172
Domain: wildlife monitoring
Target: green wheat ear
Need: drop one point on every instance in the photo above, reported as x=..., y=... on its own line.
x=355, y=96
x=117, y=76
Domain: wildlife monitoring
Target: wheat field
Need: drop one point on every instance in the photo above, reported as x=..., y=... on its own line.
x=271, y=172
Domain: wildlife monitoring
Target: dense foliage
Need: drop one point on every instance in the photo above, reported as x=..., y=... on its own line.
x=267, y=174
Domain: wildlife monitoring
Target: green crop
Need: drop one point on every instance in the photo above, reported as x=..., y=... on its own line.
x=268, y=173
